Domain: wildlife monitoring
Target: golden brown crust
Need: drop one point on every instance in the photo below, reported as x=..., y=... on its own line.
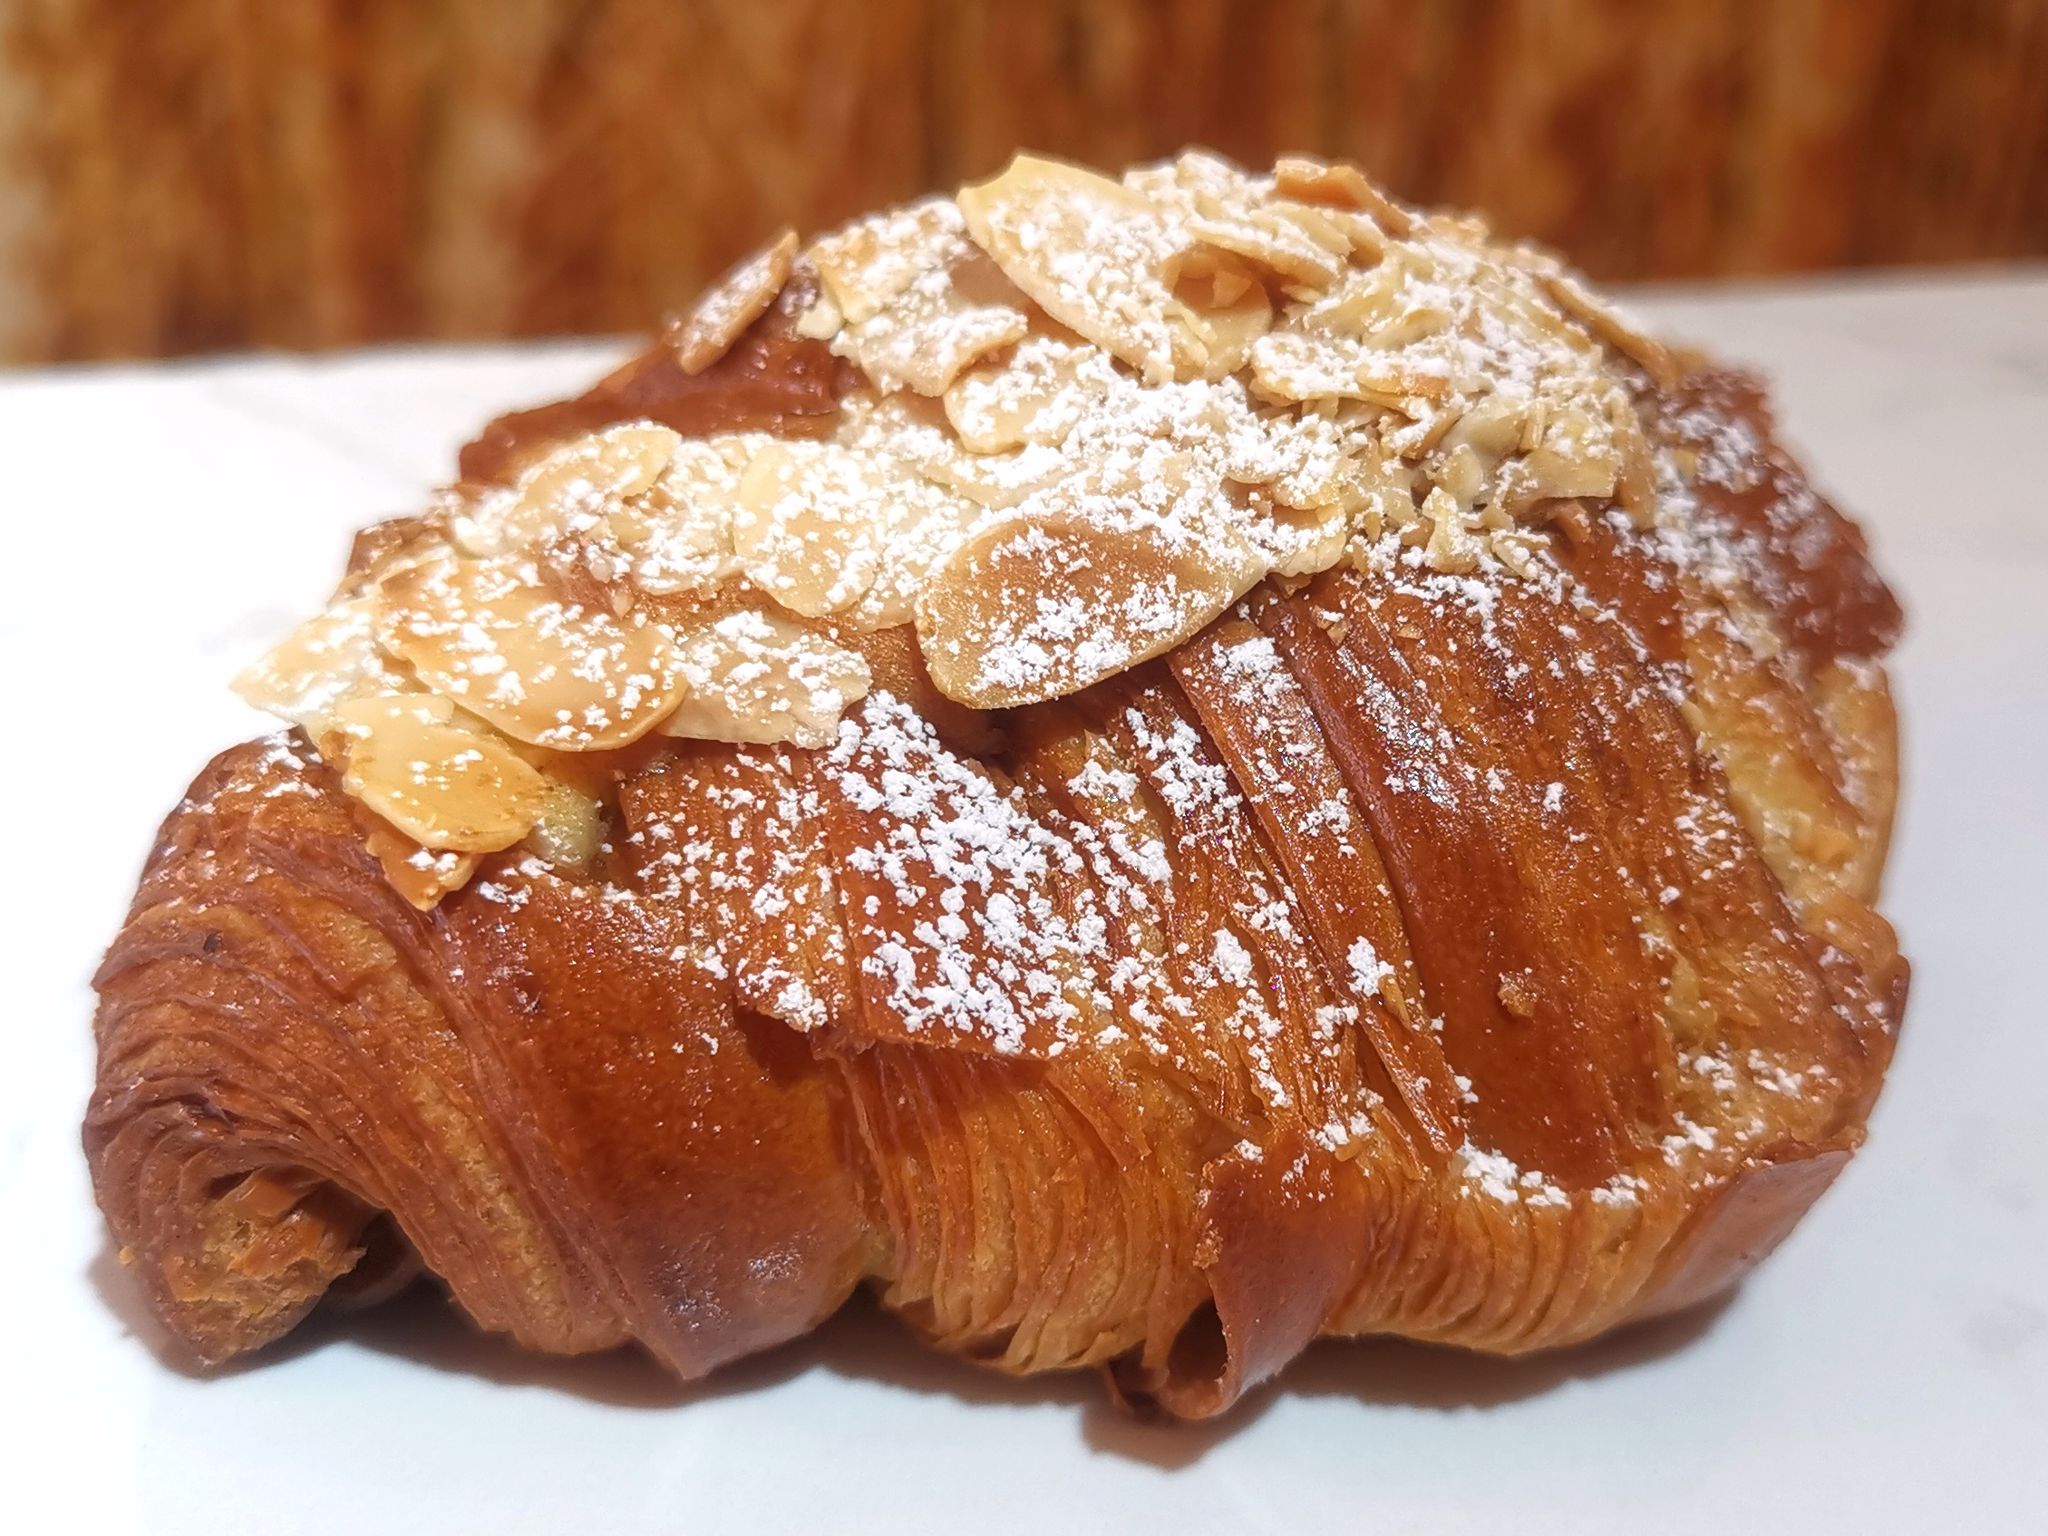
x=1480, y=955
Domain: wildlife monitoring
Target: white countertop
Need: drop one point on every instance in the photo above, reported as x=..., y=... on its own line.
x=1886, y=1372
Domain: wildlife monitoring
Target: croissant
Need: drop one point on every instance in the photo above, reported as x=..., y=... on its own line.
x=1154, y=767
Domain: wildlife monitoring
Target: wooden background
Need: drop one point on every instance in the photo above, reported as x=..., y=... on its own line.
x=181, y=175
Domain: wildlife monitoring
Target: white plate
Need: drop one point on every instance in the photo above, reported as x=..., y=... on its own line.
x=1887, y=1371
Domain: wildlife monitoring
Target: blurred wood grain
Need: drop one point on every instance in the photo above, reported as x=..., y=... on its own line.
x=184, y=175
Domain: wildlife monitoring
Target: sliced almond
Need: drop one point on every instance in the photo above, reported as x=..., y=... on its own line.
x=677, y=536
x=808, y=526
x=1227, y=210
x=926, y=344
x=1575, y=458
x=757, y=674
x=330, y=658
x=911, y=430
x=943, y=322
x=490, y=635
x=1220, y=309
x=1414, y=321
x=909, y=512
x=1032, y=609
x=1091, y=252
x=1427, y=426
x=440, y=783
x=1608, y=322
x=927, y=522
x=1301, y=366
x=1341, y=186
x=421, y=875
x=1515, y=548
x=866, y=265
x=1364, y=304
x=1452, y=546
x=1340, y=231
x=1493, y=427
x=1635, y=485
x=1299, y=541
x=733, y=303
x=822, y=321
x=1461, y=474
x=384, y=547
x=567, y=492
x=1033, y=396
x=1282, y=247
x=997, y=481
x=1299, y=461
x=1172, y=184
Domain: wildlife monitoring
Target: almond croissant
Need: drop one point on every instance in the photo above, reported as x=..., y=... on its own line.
x=1156, y=767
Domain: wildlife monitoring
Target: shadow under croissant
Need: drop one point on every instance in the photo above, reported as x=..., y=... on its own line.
x=861, y=1341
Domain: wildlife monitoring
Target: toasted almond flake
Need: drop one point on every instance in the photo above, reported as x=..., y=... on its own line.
x=1300, y=541
x=1574, y=459
x=822, y=321
x=1300, y=366
x=1452, y=547
x=1033, y=396
x=757, y=674
x=442, y=784
x=1220, y=309
x=1460, y=475
x=866, y=265
x=956, y=311
x=422, y=876
x=1231, y=212
x=733, y=303
x=1032, y=609
x=1341, y=186
x=330, y=658
x=1364, y=301
x=1300, y=462
x=997, y=481
x=569, y=491
x=928, y=345
x=1635, y=487
x=1269, y=239
x=488, y=634
x=928, y=522
x=913, y=430
x=1342, y=232
x=1494, y=428
x=805, y=524
x=398, y=541
x=1089, y=250
x=1611, y=325
x=1516, y=549
x=677, y=535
